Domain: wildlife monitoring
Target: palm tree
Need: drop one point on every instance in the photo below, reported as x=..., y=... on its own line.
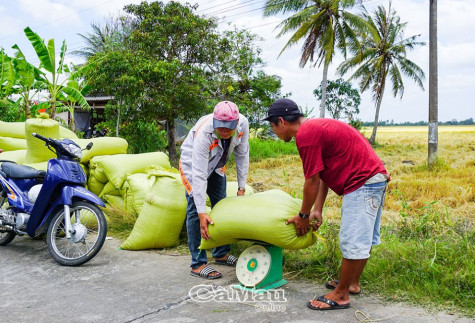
x=324, y=25
x=104, y=38
x=384, y=53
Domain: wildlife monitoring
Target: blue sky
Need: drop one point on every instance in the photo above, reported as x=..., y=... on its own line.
x=64, y=19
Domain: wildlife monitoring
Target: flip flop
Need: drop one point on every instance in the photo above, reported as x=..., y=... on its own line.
x=328, y=286
x=205, y=273
x=333, y=305
x=230, y=261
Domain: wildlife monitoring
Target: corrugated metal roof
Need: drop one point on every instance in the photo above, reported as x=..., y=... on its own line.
x=98, y=98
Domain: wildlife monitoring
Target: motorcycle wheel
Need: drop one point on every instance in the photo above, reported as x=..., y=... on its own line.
x=89, y=233
x=6, y=237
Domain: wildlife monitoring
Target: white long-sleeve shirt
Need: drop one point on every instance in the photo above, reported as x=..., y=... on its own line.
x=201, y=152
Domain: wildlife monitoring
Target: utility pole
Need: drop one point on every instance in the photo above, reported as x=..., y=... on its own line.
x=433, y=86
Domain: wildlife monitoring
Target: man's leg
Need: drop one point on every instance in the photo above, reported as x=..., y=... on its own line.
x=198, y=257
x=350, y=273
x=361, y=213
x=217, y=191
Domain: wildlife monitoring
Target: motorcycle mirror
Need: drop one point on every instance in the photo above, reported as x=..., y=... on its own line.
x=89, y=146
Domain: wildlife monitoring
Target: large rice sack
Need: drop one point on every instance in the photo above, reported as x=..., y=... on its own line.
x=110, y=189
x=94, y=185
x=66, y=133
x=11, y=144
x=134, y=191
x=114, y=201
x=17, y=156
x=117, y=167
x=36, y=149
x=98, y=173
x=12, y=129
x=102, y=146
x=231, y=190
x=163, y=214
x=260, y=216
x=232, y=187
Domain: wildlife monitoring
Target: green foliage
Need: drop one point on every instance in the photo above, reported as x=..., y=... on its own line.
x=142, y=136
x=10, y=112
x=342, y=101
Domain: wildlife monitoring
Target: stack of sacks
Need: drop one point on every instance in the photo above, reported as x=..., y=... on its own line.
x=14, y=139
x=260, y=216
x=162, y=214
x=107, y=174
x=12, y=136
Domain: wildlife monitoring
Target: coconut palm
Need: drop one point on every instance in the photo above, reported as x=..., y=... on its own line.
x=104, y=38
x=384, y=54
x=324, y=25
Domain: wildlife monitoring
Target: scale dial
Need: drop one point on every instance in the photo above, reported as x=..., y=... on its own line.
x=253, y=265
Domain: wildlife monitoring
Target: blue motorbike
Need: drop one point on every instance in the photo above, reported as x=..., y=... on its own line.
x=33, y=202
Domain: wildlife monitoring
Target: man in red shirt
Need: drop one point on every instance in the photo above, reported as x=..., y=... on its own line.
x=336, y=156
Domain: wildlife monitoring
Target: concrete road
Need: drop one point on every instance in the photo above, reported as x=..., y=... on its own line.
x=145, y=286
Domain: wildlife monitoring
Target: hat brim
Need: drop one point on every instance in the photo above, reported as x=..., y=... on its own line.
x=225, y=124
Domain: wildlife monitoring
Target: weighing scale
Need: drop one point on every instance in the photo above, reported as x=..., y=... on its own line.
x=259, y=268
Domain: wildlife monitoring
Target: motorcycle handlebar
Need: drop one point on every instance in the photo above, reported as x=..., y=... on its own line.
x=47, y=140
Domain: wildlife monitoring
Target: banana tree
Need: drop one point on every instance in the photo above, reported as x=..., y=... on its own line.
x=74, y=82
x=27, y=81
x=51, y=80
x=7, y=75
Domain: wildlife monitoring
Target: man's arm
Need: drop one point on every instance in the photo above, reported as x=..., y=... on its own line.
x=318, y=206
x=241, y=157
x=200, y=182
x=310, y=193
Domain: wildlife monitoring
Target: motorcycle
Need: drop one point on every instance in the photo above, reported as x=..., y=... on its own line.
x=33, y=202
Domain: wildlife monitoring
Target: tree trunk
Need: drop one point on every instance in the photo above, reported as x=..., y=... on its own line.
x=118, y=122
x=324, y=91
x=73, y=121
x=171, y=135
x=372, y=140
x=433, y=85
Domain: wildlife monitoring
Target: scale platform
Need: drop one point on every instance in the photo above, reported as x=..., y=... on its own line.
x=259, y=268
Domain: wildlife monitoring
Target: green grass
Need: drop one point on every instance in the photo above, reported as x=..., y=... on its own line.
x=263, y=149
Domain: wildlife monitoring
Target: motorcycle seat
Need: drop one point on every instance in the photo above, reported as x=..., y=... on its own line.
x=15, y=171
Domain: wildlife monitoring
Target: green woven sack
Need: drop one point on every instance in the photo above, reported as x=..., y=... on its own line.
x=12, y=129
x=118, y=167
x=17, y=156
x=36, y=149
x=163, y=214
x=98, y=173
x=94, y=185
x=114, y=201
x=110, y=189
x=102, y=146
x=260, y=216
x=11, y=144
x=232, y=187
x=66, y=133
x=134, y=191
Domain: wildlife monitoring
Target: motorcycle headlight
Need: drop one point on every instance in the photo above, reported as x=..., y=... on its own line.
x=73, y=149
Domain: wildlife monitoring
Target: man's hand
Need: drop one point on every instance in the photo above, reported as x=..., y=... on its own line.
x=1, y=150
x=302, y=225
x=240, y=193
x=316, y=216
x=204, y=221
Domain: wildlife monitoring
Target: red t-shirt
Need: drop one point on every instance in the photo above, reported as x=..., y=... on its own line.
x=339, y=152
